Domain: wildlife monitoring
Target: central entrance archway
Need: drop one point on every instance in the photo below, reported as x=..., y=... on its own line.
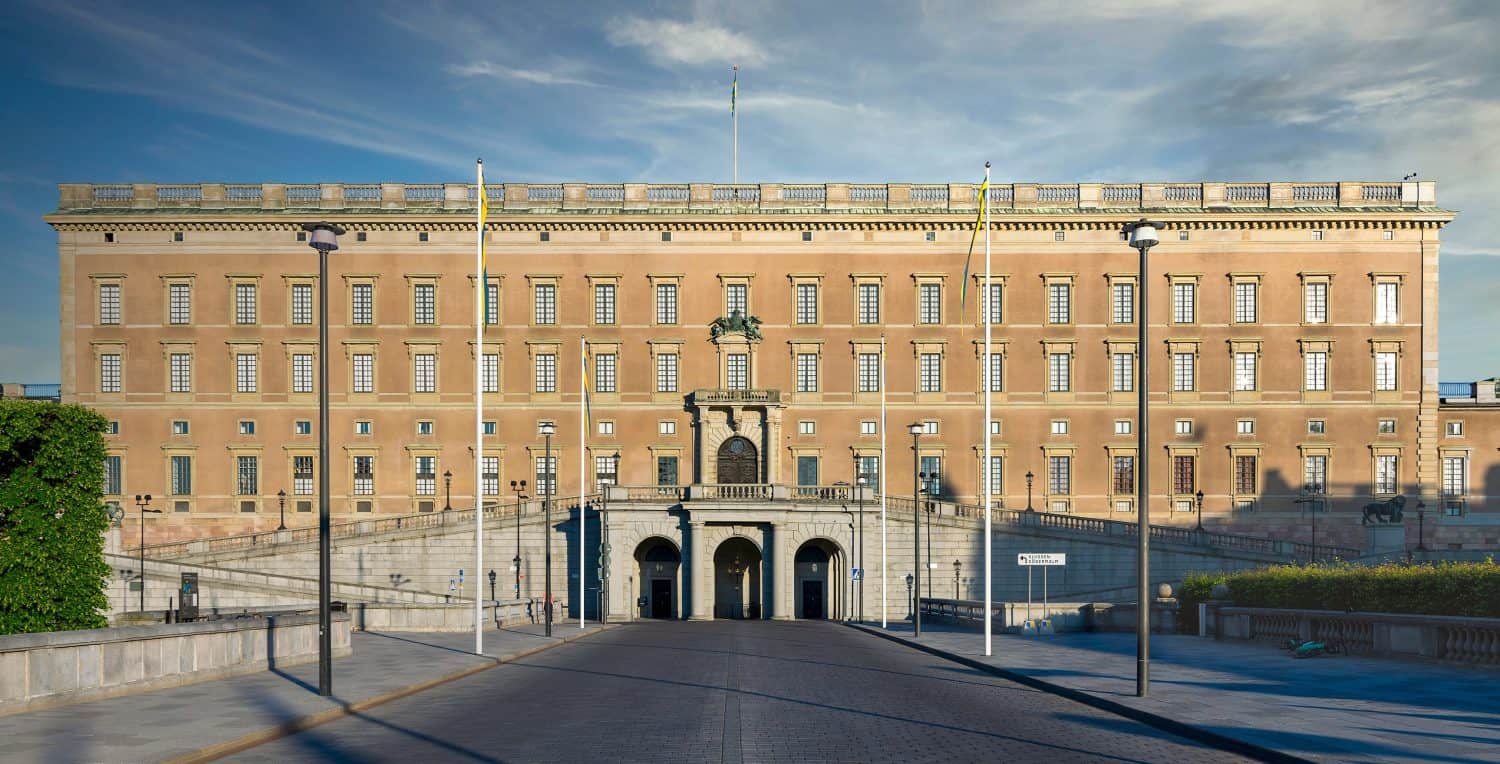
x=819, y=591
x=739, y=461
x=658, y=562
x=737, y=576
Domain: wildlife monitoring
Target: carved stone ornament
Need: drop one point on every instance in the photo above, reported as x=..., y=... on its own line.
x=735, y=323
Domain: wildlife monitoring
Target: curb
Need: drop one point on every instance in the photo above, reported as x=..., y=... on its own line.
x=1181, y=729
x=288, y=728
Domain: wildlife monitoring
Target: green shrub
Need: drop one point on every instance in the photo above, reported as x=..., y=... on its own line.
x=1196, y=587
x=52, y=522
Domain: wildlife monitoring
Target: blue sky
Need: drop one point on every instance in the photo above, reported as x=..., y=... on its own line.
x=852, y=91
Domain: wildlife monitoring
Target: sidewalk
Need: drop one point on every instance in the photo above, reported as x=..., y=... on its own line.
x=180, y=721
x=1337, y=708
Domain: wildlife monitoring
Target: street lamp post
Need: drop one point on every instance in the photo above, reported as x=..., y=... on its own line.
x=957, y=566
x=142, y=503
x=281, y=503
x=909, y=582
x=448, y=487
x=929, y=490
x=1029, y=478
x=323, y=237
x=914, y=586
x=860, y=480
x=1308, y=497
x=614, y=465
x=1143, y=237
x=1421, y=526
x=1199, y=497
x=515, y=563
x=492, y=584
x=548, y=489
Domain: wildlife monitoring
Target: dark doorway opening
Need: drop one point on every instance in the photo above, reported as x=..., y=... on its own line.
x=739, y=462
x=812, y=599
x=658, y=571
x=661, y=598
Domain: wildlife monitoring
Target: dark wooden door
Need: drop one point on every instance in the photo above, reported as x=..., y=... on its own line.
x=738, y=462
x=812, y=599
x=661, y=598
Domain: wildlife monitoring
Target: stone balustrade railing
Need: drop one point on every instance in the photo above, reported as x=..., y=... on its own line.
x=803, y=197
x=1458, y=639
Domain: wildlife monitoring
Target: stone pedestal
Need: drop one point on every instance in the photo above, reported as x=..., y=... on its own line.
x=1381, y=538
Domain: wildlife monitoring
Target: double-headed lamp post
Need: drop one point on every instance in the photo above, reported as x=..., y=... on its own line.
x=549, y=488
x=1029, y=478
x=957, y=567
x=1199, y=497
x=860, y=479
x=323, y=237
x=1143, y=236
x=448, y=487
x=515, y=563
x=142, y=502
x=914, y=585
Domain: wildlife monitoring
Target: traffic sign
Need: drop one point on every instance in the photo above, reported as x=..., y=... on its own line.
x=858, y=574
x=1047, y=559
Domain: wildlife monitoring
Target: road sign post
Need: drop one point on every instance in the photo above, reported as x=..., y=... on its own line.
x=1043, y=560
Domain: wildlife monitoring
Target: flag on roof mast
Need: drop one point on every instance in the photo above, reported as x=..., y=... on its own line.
x=481, y=310
x=963, y=287
x=484, y=266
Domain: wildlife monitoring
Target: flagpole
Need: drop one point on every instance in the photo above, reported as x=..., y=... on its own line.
x=989, y=368
x=734, y=114
x=480, y=289
x=884, y=624
x=583, y=434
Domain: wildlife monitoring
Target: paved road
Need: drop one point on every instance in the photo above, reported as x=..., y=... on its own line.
x=733, y=692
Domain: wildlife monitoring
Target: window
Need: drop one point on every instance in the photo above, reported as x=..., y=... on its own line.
x=426, y=475
x=1123, y=427
x=604, y=471
x=666, y=427
x=1387, y=235
x=997, y=477
x=1455, y=475
x=1184, y=303
x=869, y=469
x=182, y=476
x=1059, y=236
x=1385, y=371
x=112, y=477
x=868, y=427
x=247, y=427
x=302, y=304
x=1245, y=474
x=546, y=475
x=1182, y=235
x=666, y=372
x=424, y=367
x=932, y=466
x=931, y=373
x=546, y=373
x=422, y=236
x=113, y=427
x=109, y=237
x=424, y=304
x=302, y=427
x=179, y=427
x=666, y=235
x=807, y=427
x=1124, y=474
x=1386, y=306
x=489, y=375
x=302, y=372
x=869, y=372
x=1059, y=427
x=1385, y=473
x=181, y=373
x=929, y=236
x=1123, y=372
x=109, y=373
x=247, y=472
x=302, y=476
x=1317, y=235
x=1184, y=476
x=807, y=235
x=1317, y=426
x=491, y=427
x=997, y=373
x=666, y=303
x=545, y=236
x=1182, y=372
x=492, y=304
x=109, y=303
x=1059, y=372
x=362, y=427
x=1059, y=475
x=1123, y=303
x=930, y=427
x=929, y=303
x=544, y=304
x=179, y=304
x=364, y=476
x=1315, y=366
x=807, y=303
x=1455, y=429
x=737, y=298
x=362, y=304
x=361, y=236
x=364, y=372
x=424, y=427
x=1059, y=303
x=244, y=304
x=1244, y=371
x=606, y=427
x=996, y=303
x=604, y=303
x=489, y=475
x=1315, y=302
x=1244, y=427
x=604, y=373
x=1246, y=301
x=1388, y=427
x=1182, y=426
x=807, y=372
x=245, y=372
x=666, y=466
x=1315, y=473
x=737, y=371
x=869, y=303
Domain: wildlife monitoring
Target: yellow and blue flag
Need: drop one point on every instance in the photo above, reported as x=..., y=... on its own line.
x=963, y=291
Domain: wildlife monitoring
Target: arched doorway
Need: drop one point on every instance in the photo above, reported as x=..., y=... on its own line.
x=737, y=580
x=818, y=587
x=739, y=461
x=658, y=562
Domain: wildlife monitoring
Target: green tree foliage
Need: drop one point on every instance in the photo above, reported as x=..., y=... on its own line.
x=52, y=521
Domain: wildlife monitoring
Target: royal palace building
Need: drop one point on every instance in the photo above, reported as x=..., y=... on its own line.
x=751, y=334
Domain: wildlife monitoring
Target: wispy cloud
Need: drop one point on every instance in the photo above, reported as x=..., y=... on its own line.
x=533, y=76
x=686, y=42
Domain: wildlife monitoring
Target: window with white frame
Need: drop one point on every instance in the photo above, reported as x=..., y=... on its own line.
x=932, y=467
x=109, y=373
x=1184, y=474
x=1182, y=426
x=736, y=298
x=302, y=476
x=179, y=304
x=1315, y=368
x=1244, y=371
x=931, y=373
x=544, y=304
x=112, y=475
x=807, y=427
x=869, y=372
x=869, y=427
x=245, y=372
x=425, y=368
x=1317, y=426
x=546, y=475
x=1386, y=293
x=1244, y=427
x=869, y=303
x=807, y=303
x=1059, y=427
x=1122, y=298
x=869, y=469
x=109, y=303
x=666, y=427
x=666, y=303
x=997, y=477
x=425, y=469
x=182, y=476
x=604, y=471
x=424, y=427
x=364, y=372
x=1455, y=428
x=807, y=372
x=1455, y=476
x=492, y=304
x=1122, y=372
x=302, y=304
x=930, y=427
x=1059, y=303
x=244, y=304
x=1388, y=426
x=1385, y=473
x=606, y=427
x=1123, y=427
x=491, y=427
x=1315, y=473
x=1059, y=372
x=604, y=372
x=489, y=475
x=1184, y=302
x=604, y=303
x=737, y=371
x=995, y=427
x=247, y=476
x=1246, y=302
x=1123, y=475
x=1385, y=371
x=424, y=304
x=362, y=304
x=1315, y=302
x=1183, y=379
x=666, y=372
x=364, y=476
x=997, y=373
x=489, y=373
x=546, y=372
x=1246, y=474
x=182, y=373
x=1059, y=475
x=180, y=427
x=995, y=303
x=929, y=303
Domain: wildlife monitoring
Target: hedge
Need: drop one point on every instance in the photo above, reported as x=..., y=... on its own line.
x=52, y=519
x=1446, y=588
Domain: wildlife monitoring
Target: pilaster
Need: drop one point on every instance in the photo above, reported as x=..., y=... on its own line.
x=697, y=573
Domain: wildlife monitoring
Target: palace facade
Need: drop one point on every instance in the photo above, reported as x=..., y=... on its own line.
x=1293, y=349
